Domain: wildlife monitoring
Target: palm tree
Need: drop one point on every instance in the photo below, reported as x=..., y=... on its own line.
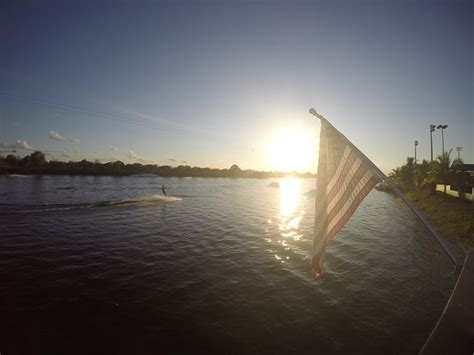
x=441, y=169
x=395, y=175
x=408, y=174
x=421, y=173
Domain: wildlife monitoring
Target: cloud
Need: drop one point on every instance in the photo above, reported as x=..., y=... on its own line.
x=133, y=156
x=55, y=135
x=20, y=144
x=172, y=160
x=23, y=145
x=115, y=149
x=184, y=161
x=58, y=137
x=66, y=155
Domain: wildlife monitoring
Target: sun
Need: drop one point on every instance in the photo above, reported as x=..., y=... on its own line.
x=291, y=149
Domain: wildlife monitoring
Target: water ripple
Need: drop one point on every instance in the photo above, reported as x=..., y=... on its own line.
x=224, y=270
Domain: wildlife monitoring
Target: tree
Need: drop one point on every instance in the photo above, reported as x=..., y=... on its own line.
x=459, y=177
x=408, y=174
x=234, y=170
x=404, y=176
x=395, y=175
x=37, y=159
x=441, y=169
x=11, y=160
x=421, y=173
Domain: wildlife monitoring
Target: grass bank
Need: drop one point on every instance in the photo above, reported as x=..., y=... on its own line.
x=451, y=216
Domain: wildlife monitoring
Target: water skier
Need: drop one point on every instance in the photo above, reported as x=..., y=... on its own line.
x=163, y=189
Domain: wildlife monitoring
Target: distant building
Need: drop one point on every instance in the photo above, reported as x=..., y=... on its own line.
x=469, y=168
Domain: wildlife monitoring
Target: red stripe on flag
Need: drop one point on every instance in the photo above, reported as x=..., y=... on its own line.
x=356, y=202
x=349, y=163
x=358, y=176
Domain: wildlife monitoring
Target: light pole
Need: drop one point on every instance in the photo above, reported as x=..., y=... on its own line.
x=442, y=127
x=459, y=152
x=416, y=143
x=432, y=128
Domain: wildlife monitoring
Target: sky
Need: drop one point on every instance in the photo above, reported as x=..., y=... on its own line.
x=213, y=84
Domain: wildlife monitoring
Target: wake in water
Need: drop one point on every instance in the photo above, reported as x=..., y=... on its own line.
x=143, y=200
x=140, y=200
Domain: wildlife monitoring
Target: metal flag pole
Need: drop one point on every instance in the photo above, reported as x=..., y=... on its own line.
x=445, y=245
x=432, y=128
x=416, y=143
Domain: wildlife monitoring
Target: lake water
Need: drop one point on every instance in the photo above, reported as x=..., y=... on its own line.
x=105, y=265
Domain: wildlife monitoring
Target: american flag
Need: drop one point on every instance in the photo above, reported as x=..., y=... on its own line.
x=345, y=177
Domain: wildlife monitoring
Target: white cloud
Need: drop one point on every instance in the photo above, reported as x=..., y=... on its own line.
x=172, y=160
x=23, y=145
x=20, y=144
x=55, y=135
x=115, y=149
x=58, y=137
x=133, y=156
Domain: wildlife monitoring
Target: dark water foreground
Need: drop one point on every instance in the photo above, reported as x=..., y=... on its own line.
x=103, y=265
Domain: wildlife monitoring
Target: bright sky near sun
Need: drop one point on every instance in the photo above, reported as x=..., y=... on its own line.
x=221, y=83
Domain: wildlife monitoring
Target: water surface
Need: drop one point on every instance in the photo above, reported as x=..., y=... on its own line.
x=106, y=265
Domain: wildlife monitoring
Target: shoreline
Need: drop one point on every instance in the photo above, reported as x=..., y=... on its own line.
x=451, y=216
x=159, y=171
x=257, y=175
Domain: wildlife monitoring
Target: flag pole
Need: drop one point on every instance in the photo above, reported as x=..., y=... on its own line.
x=445, y=245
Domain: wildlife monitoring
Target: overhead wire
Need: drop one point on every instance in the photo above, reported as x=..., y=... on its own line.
x=137, y=119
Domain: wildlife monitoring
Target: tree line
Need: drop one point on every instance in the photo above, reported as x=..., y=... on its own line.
x=36, y=163
x=414, y=176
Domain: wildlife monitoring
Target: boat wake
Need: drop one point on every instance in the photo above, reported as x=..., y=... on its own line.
x=136, y=201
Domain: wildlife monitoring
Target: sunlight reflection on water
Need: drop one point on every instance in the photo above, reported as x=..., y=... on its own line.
x=290, y=215
x=289, y=196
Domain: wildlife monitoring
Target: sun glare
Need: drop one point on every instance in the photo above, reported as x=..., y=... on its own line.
x=291, y=150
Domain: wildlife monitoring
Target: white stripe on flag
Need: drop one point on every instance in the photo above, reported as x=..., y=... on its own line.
x=339, y=169
x=342, y=189
x=347, y=205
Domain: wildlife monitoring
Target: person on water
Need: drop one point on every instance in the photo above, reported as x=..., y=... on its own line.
x=163, y=189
